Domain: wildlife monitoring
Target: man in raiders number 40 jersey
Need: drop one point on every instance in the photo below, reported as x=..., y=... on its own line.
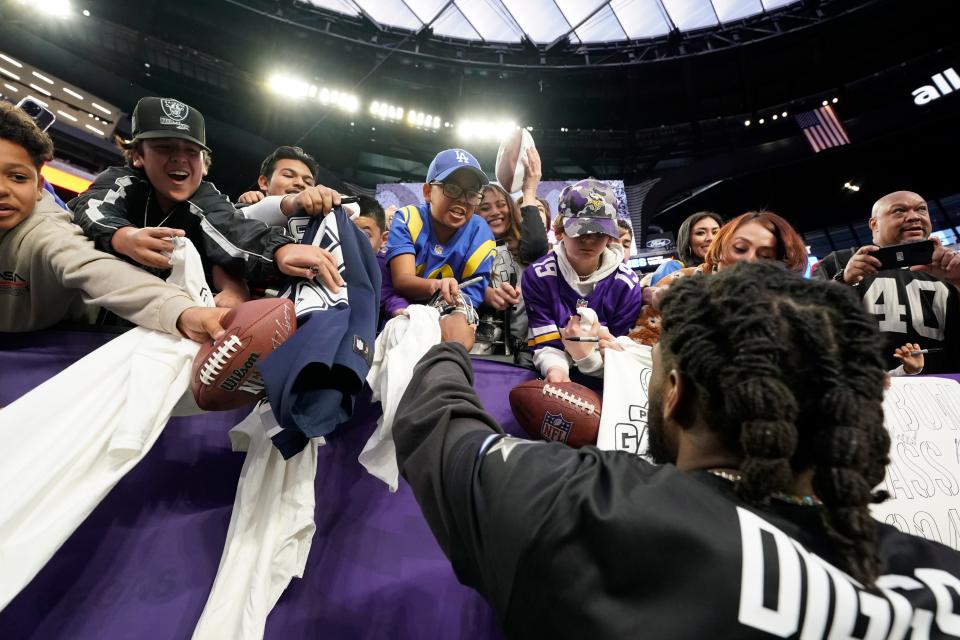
x=912, y=305
x=757, y=525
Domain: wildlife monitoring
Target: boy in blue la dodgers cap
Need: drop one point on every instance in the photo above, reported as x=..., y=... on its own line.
x=436, y=245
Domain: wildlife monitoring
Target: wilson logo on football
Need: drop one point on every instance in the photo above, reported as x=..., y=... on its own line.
x=232, y=381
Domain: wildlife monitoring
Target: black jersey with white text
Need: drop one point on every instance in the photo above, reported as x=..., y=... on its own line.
x=568, y=543
x=910, y=306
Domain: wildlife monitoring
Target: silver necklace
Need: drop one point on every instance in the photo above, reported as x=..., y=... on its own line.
x=803, y=501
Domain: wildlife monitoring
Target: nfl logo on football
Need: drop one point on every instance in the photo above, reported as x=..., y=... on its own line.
x=554, y=427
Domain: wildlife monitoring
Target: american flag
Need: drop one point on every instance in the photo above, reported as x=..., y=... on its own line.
x=822, y=128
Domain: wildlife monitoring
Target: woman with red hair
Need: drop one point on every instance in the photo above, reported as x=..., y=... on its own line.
x=751, y=236
x=756, y=235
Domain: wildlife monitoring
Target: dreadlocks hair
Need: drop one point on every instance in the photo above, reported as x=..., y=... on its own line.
x=789, y=371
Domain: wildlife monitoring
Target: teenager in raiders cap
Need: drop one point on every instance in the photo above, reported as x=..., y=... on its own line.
x=766, y=410
x=585, y=269
x=132, y=211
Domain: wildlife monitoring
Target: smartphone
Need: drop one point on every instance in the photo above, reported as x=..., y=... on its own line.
x=40, y=114
x=905, y=255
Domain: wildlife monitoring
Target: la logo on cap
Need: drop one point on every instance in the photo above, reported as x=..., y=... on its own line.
x=174, y=109
x=462, y=156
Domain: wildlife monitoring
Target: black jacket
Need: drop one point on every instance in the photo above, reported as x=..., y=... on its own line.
x=123, y=197
x=583, y=543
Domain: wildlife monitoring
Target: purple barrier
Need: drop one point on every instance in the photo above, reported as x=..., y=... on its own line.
x=142, y=564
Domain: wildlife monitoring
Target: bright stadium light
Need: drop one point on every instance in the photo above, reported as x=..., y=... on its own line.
x=11, y=61
x=492, y=131
x=55, y=8
x=288, y=86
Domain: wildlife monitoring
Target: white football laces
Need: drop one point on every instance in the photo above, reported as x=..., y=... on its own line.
x=215, y=363
x=576, y=401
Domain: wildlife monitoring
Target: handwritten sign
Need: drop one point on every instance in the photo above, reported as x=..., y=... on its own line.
x=626, y=380
x=923, y=418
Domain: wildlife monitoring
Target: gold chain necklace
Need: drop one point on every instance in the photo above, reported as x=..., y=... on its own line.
x=803, y=501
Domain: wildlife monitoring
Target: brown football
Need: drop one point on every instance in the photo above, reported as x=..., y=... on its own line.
x=224, y=372
x=563, y=411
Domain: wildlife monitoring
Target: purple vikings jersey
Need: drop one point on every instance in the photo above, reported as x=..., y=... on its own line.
x=551, y=301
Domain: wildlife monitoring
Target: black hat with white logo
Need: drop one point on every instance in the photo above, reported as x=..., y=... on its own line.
x=168, y=118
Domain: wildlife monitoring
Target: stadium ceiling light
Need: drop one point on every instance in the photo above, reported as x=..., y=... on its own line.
x=784, y=114
x=86, y=13
x=824, y=103
x=40, y=89
x=386, y=111
x=67, y=115
x=850, y=186
x=11, y=61
x=55, y=8
x=42, y=77
x=775, y=116
x=760, y=121
x=297, y=88
x=73, y=93
x=746, y=123
x=99, y=108
x=7, y=72
x=11, y=87
x=288, y=86
x=490, y=131
x=835, y=100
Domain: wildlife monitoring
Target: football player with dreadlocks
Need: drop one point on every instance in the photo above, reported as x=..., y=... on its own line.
x=766, y=416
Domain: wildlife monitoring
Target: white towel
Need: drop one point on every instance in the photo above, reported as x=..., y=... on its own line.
x=401, y=344
x=70, y=440
x=270, y=534
x=626, y=380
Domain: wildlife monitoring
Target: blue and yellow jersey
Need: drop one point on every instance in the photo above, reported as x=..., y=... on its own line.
x=469, y=253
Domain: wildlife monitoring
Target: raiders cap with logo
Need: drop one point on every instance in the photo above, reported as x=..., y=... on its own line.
x=168, y=118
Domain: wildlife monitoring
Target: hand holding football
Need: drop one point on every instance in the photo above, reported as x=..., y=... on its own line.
x=224, y=372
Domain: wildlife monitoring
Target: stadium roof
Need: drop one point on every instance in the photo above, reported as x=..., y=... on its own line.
x=549, y=21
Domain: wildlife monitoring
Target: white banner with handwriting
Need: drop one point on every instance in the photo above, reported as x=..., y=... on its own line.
x=923, y=418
